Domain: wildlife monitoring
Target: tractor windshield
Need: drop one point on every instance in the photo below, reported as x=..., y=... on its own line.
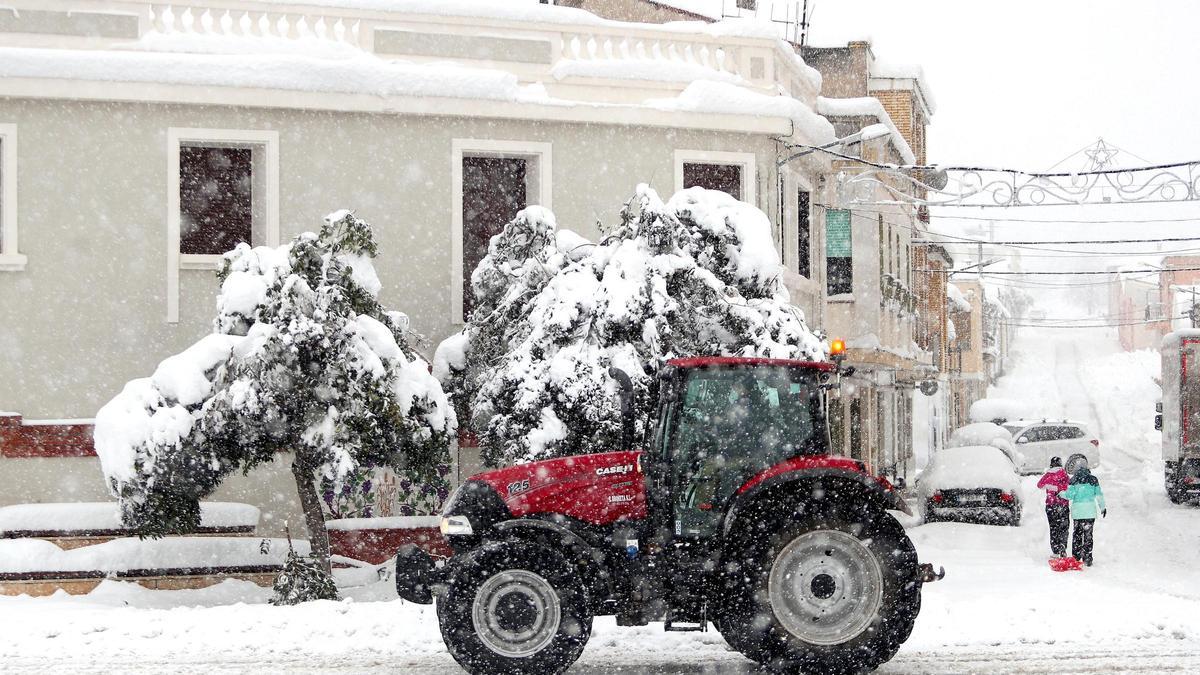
x=735, y=422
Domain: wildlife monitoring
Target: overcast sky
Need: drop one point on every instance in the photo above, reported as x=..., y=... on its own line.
x=1024, y=83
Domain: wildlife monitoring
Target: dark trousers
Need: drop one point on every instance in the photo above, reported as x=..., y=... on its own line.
x=1059, y=517
x=1081, y=543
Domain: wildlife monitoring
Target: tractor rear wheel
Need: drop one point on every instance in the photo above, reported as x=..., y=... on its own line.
x=832, y=592
x=515, y=608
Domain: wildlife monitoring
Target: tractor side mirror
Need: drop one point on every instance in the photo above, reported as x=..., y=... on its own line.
x=1023, y=440
x=1158, y=422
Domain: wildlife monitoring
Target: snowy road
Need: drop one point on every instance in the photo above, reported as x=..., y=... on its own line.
x=1000, y=608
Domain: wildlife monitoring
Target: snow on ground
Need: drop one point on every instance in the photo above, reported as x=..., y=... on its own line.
x=999, y=609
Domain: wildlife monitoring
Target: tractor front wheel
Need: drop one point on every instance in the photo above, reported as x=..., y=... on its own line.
x=514, y=608
x=833, y=592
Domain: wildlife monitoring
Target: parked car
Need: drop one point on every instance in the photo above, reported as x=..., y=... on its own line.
x=975, y=483
x=986, y=433
x=1039, y=440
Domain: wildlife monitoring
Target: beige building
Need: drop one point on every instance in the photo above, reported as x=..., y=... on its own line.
x=872, y=290
x=140, y=141
x=968, y=375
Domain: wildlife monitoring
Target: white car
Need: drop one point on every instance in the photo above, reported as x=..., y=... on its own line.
x=1039, y=440
x=986, y=433
x=975, y=483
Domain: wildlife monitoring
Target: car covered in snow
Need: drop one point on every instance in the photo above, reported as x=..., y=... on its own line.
x=974, y=483
x=986, y=433
x=1039, y=440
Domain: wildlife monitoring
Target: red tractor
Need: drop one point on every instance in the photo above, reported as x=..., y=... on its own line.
x=734, y=513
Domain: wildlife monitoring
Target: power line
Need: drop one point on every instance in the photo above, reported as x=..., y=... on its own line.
x=997, y=169
x=1068, y=273
x=1043, y=221
x=1064, y=242
x=964, y=240
x=1064, y=254
x=1092, y=325
x=1023, y=283
x=1065, y=221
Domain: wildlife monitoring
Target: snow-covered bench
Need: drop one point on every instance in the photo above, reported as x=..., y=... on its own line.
x=39, y=567
x=376, y=540
x=71, y=525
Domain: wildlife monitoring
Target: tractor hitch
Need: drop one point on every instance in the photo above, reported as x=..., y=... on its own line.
x=928, y=576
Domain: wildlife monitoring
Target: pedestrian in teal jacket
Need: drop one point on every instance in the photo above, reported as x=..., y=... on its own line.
x=1086, y=499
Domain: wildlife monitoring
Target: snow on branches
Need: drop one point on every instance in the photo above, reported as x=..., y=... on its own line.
x=303, y=359
x=698, y=275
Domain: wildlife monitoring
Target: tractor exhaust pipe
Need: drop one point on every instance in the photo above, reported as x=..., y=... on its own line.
x=625, y=391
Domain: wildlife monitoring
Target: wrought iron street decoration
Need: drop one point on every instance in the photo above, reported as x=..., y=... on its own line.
x=983, y=187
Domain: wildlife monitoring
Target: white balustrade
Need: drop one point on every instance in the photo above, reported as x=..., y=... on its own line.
x=763, y=63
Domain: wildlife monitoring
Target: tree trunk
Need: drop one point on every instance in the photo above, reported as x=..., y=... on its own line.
x=314, y=516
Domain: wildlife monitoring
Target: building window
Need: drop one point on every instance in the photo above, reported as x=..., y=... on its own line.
x=839, y=263
x=804, y=233
x=493, y=181
x=494, y=191
x=223, y=190
x=730, y=172
x=216, y=192
x=10, y=256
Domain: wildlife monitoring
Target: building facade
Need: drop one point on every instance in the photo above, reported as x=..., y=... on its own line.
x=873, y=280
x=141, y=141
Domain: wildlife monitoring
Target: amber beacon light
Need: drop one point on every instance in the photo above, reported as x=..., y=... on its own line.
x=837, y=348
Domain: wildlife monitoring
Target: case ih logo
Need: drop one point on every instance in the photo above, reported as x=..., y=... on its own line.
x=618, y=470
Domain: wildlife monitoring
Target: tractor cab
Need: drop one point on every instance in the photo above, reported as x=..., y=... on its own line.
x=723, y=421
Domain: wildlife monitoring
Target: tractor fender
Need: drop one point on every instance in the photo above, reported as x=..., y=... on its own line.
x=865, y=485
x=555, y=535
x=558, y=536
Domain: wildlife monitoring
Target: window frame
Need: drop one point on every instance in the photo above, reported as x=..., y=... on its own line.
x=177, y=137
x=539, y=185
x=748, y=162
x=11, y=258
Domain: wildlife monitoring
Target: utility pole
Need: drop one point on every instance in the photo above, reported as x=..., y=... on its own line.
x=804, y=24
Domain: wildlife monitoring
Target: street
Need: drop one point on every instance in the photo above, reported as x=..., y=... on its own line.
x=999, y=609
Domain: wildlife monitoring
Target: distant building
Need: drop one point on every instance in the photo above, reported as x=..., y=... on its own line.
x=1145, y=307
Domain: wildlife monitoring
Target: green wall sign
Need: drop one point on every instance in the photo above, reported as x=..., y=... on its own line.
x=837, y=233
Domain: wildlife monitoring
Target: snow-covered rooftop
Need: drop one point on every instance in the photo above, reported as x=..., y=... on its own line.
x=867, y=106
x=519, y=53
x=958, y=300
x=905, y=71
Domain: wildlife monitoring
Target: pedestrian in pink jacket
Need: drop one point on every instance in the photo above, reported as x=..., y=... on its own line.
x=1058, y=510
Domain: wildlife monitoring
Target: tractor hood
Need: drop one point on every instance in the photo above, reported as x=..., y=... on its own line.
x=599, y=489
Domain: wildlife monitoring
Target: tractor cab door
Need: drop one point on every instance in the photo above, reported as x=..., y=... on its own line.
x=730, y=424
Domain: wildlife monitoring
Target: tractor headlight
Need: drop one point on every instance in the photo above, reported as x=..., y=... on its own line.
x=452, y=525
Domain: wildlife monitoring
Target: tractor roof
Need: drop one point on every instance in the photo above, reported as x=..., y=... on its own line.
x=733, y=361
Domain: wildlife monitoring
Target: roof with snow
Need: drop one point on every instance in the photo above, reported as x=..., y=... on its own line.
x=867, y=106
x=523, y=58
x=886, y=70
x=958, y=300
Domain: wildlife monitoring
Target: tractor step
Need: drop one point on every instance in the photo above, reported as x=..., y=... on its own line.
x=686, y=627
x=686, y=624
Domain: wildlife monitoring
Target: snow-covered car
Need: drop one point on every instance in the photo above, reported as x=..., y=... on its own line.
x=975, y=483
x=997, y=410
x=1039, y=440
x=986, y=433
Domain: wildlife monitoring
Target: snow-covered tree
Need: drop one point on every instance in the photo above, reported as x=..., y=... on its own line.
x=699, y=275
x=303, y=360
